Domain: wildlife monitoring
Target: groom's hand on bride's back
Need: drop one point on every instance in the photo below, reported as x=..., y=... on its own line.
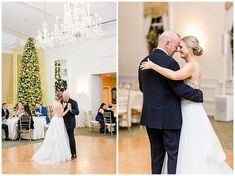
x=183, y=90
x=200, y=95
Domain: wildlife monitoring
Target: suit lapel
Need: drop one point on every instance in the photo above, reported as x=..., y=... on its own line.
x=69, y=101
x=65, y=107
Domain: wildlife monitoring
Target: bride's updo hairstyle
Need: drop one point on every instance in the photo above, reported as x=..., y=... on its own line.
x=58, y=95
x=192, y=42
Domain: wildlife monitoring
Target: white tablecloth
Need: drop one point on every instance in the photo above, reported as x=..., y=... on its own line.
x=12, y=127
x=39, y=124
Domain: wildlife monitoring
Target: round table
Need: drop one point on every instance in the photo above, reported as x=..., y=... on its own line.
x=39, y=125
x=12, y=127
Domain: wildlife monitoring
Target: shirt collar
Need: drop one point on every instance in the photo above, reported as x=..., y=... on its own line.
x=163, y=50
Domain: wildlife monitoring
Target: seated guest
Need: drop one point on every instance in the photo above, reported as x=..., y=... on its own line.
x=27, y=110
x=113, y=119
x=20, y=110
x=109, y=109
x=100, y=117
x=42, y=111
x=5, y=111
x=5, y=115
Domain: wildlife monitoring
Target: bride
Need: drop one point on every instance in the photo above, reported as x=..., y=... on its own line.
x=200, y=151
x=55, y=147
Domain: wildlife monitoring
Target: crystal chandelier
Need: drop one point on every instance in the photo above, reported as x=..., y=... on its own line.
x=78, y=26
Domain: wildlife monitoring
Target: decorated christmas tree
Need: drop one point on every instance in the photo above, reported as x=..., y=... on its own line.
x=29, y=85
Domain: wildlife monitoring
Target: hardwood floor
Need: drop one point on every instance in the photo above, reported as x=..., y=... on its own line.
x=95, y=156
x=134, y=155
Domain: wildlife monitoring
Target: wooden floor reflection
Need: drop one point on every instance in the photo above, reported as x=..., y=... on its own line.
x=95, y=156
x=134, y=155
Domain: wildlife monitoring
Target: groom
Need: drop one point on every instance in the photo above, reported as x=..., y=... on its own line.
x=161, y=112
x=69, y=120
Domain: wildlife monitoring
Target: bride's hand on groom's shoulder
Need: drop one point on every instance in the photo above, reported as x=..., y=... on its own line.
x=146, y=65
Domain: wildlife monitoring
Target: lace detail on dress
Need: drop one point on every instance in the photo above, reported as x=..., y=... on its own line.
x=194, y=83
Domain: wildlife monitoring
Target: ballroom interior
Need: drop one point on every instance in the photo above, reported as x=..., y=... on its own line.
x=139, y=24
x=88, y=69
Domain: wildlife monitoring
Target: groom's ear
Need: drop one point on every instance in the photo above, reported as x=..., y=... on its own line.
x=167, y=44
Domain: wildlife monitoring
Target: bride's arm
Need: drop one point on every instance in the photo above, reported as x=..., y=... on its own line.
x=180, y=74
x=63, y=112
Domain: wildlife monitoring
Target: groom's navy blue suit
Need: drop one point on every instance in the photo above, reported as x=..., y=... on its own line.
x=161, y=112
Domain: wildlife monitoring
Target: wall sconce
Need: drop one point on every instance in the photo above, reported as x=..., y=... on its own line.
x=196, y=31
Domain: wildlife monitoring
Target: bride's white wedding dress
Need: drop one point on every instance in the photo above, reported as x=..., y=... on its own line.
x=55, y=147
x=200, y=151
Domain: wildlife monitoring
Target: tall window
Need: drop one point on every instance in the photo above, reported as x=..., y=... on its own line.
x=155, y=30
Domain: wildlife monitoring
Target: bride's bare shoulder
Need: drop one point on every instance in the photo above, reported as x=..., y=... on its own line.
x=190, y=65
x=56, y=104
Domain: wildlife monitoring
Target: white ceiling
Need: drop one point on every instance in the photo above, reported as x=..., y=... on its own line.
x=24, y=19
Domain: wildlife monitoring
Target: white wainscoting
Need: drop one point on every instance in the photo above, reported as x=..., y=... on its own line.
x=210, y=87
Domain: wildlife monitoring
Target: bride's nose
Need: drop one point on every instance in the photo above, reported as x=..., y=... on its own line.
x=178, y=49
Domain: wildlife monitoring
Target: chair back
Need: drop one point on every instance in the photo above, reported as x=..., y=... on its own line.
x=88, y=118
x=25, y=121
x=107, y=117
x=123, y=99
x=90, y=115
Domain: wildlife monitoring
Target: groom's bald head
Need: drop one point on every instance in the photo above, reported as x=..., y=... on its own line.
x=168, y=36
x=66, y=96
x=169, y=41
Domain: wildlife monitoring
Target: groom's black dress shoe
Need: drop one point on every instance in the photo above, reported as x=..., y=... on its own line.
x=74, y=157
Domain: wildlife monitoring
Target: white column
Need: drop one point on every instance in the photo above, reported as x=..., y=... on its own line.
x=170, y=15
x=15, y=75
x=96, y=92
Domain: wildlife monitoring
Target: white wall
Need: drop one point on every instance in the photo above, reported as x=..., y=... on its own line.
x=83, y=61
x=198, y=19
x=96, y=91
x=205, y=20
x=131, y=50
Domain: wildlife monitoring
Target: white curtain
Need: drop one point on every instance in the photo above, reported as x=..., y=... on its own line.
x=165, y=21
x=228, y=27
x=80, y=119
x=147, y=23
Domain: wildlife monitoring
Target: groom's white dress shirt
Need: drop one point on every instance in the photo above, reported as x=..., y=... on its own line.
x=163, y=50
x=64, y=104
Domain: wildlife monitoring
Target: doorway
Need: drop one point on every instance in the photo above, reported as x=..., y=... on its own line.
x=103, y=89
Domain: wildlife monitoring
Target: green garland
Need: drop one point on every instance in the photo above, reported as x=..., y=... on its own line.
x=152, y=40
x=60, y=84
